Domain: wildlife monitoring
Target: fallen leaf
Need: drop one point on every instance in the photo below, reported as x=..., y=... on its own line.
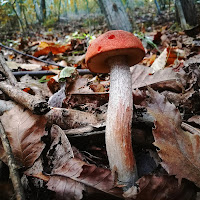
x=152, y=187
x=67, y=72
x=79, y=86
x=178, y=149
x=24, y=131
x=65, y=188
x=165, y=79
x=13, y=65
x=195, y=119
x=76, y=59
x=64, y=164
x=55, y=49
x=160, y=62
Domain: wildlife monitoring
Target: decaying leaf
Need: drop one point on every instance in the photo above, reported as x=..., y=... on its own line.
x=24, y=131
x=178, y=149
x=160, y=62
x=66, y=188
x=64, y=164
x=55, y=49
x=67, y=72
x=152, y=187
x=60, y=150
x=165, y=79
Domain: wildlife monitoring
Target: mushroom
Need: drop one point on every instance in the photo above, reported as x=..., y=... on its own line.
x=115, y=51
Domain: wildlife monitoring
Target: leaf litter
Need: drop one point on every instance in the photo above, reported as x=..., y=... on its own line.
x=165, y=87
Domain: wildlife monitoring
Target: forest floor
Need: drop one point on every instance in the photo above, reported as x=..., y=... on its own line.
x=61, y=153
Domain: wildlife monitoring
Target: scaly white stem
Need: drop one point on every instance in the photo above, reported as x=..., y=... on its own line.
x=118, y=123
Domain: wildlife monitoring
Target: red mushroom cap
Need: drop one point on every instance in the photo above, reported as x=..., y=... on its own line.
x=113, y=43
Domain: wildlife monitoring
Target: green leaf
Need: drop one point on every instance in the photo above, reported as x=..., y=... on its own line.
x=66, y=73
x=44, y=79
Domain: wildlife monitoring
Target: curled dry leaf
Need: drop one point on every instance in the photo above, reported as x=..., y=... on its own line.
x=66, y=188
x=64, y=164
x=195, y=119
x=160, y=62
x=60, y=150
x=24, y=131
x=178, y=149
x=152, y=187
x=165, y=79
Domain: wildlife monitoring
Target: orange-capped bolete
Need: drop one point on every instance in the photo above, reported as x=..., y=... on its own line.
x=115, y=52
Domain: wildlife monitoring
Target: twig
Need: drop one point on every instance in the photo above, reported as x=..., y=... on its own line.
x=69, y=118
x=11, y=164
x=81, y=71
x=7, y=72
x=84, y=134
x=46, y=72
x=80, y=130
x=30, y=56
x=34, y=103
x=190, y=128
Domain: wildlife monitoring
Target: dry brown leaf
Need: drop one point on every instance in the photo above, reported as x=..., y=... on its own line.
x=178, y=149
x=76, y=59
x=152, y=187
x=64, y=164
x=79, y=86
x=13, y=65
x=165, y=79
x=195, y=119
x=160, y=62
x=66, y=188
x=24, y=131
x=60, y=150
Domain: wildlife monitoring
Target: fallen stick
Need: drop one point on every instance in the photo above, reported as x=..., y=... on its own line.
x=46, y=72
x=30, y=56
x=6, y=71
x=69, y=118
x=14, y=175
x=34, y=103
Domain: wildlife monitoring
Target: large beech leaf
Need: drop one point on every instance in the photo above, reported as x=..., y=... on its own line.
x=24, y=131
x=65, y=188
x=165, y=79
x=178, y=149
x=152, y=187
x=66, y=164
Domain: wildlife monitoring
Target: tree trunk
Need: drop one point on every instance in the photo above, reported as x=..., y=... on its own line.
x=115, y=15
x=157, y=6
x=75, y=7
x=87, y=4
x=43, y=9
x=37, y=11
x=181, y=15
x=130, y=4
x=59, y=6
x=189, y=11
x=18, y=8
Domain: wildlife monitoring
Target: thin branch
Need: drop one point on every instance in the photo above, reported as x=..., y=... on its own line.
x=190, y=128
x=34, y=103
x=81, y=71
x=46, y=72
x=14, y=175
x=6, y=71
x=35, y=58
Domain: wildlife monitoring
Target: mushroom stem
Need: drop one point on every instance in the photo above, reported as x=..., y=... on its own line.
x=118, y=123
